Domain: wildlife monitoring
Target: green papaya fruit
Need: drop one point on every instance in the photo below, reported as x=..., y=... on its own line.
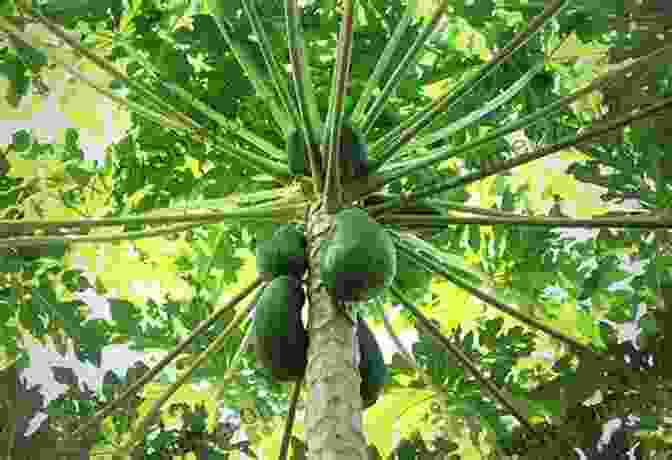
x=281, y=339
x=284, y=254
x=297, y=154
x=360, y=260
x=297, y=160
x=354, y=153
x=372, y=368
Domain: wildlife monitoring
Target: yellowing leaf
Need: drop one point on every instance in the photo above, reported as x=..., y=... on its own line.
x=194, y=165
x=456, y=306
x=573, y=47
x=471, y=40
x=407, y=406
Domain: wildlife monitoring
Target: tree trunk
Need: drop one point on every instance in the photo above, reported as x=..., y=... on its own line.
x=334, y=409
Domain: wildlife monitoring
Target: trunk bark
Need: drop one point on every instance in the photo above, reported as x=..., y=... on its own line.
x=334, y=410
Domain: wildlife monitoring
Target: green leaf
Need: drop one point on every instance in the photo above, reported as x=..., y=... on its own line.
x=8, y=8
x=586, y=324
x=33, y=58
x=21, y=140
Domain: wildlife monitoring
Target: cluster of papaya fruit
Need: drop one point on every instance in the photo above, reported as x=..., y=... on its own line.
x=281, y=338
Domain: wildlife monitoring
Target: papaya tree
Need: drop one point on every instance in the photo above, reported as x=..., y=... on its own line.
x=317, y=143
